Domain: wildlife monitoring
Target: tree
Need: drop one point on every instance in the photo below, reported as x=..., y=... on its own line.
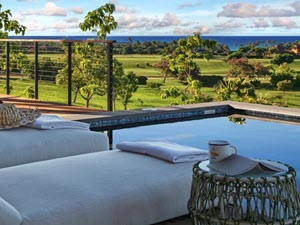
x=284, y=85
x=89, y=71
x=284, y=73
x=129, y=86
x=163, y=66
x=239, y=88
x=182, y=60
x=100, y=21
x=282, y=58
x=191, y=96
x=260, y=70
x=240, y=68
x=7, y=24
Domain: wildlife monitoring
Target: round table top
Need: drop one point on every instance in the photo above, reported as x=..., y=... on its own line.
x=253, y=173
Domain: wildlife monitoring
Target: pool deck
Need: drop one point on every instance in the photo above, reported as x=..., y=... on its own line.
x=101, y=119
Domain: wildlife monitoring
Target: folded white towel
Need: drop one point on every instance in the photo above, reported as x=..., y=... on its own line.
x=169, y=151
x=51, y=122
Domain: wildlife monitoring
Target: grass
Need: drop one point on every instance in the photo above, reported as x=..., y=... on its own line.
x=144, y=97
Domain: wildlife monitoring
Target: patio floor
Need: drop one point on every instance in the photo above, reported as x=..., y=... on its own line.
x=47, y=107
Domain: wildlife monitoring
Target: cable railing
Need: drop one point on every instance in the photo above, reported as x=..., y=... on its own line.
x=70, y=61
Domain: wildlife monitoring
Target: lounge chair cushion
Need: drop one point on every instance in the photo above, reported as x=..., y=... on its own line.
x=25, y=145
x=104, y=188
x=8, y=214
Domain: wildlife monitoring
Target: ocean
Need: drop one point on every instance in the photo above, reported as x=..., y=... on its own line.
x=233, y=42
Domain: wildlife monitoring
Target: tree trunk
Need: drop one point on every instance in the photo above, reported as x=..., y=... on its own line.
x=87, y=103
x=165, y=77
x=75, y=97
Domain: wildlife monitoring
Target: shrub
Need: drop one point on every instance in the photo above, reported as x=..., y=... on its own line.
x=154, y=85
x=284, y=85
x=256, y=83
x=280, y=77
x=297, y=81
x=142, y=80
x=210, y=81
x=29, y=92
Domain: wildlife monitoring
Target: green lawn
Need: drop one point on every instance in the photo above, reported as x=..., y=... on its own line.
x=144, y=97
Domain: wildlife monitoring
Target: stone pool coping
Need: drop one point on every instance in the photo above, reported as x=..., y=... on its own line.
x=129, y=118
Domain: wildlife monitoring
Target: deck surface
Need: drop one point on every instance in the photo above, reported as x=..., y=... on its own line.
x=48, y=107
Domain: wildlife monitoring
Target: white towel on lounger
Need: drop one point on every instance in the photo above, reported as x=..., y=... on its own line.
x=51, y=122
x=165, y=150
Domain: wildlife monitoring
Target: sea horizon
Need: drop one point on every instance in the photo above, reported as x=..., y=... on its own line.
x=232, y=41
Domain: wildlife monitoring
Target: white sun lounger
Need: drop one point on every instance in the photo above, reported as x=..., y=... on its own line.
x=25, y=145
x=104, y=188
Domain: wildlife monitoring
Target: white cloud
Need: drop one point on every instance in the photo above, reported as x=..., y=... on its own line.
x=245, y=9
x=261, y=23
x=230, y=24
x=58, y=27
x=123, y=9
x=131, y=21
x=284, y=22
x=77, y=10
x=72, y=20
x=188, y=5
x=50, y=9
x=203, y=29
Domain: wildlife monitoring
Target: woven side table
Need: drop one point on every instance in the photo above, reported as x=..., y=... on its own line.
x=249, y=199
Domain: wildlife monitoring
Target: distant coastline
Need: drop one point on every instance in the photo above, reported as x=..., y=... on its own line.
x=233, y=42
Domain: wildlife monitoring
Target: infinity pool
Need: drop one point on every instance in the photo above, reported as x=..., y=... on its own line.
x=255, y=138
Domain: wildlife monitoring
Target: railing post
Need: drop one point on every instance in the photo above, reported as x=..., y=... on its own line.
x=7, y=68
x=110, y=76
x=36, y=70
x=69, y=73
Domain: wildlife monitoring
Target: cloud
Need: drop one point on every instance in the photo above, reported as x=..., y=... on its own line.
x=132, y=21
x=188, y=5
x=284, y=22
x=72, y=20
x=203, y=29
x=260, y=23
x=50, y=9
x=57, y=27
x=230, y=24
x=245, y=10
x=77, y=10
x=123, y=9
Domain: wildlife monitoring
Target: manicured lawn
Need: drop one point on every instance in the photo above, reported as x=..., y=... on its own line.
x=145, y=97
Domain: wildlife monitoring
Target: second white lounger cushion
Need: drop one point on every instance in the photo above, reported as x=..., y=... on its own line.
x=25, y=145
x=105, y=188
x=8, y=214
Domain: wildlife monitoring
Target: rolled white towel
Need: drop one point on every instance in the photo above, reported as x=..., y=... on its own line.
x=165, y=150
x=51, y=122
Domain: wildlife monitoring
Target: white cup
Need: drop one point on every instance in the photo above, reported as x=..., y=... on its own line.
x=219, y=150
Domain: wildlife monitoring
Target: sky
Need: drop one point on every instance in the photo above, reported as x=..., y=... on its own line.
x=162, y=17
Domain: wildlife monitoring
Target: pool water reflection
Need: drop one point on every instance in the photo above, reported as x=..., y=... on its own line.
x=255, y=138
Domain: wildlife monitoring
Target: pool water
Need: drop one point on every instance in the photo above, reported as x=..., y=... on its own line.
x=256, y=138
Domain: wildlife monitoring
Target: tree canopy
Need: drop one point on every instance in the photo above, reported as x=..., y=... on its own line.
x=7, y=24
x=100, y=21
